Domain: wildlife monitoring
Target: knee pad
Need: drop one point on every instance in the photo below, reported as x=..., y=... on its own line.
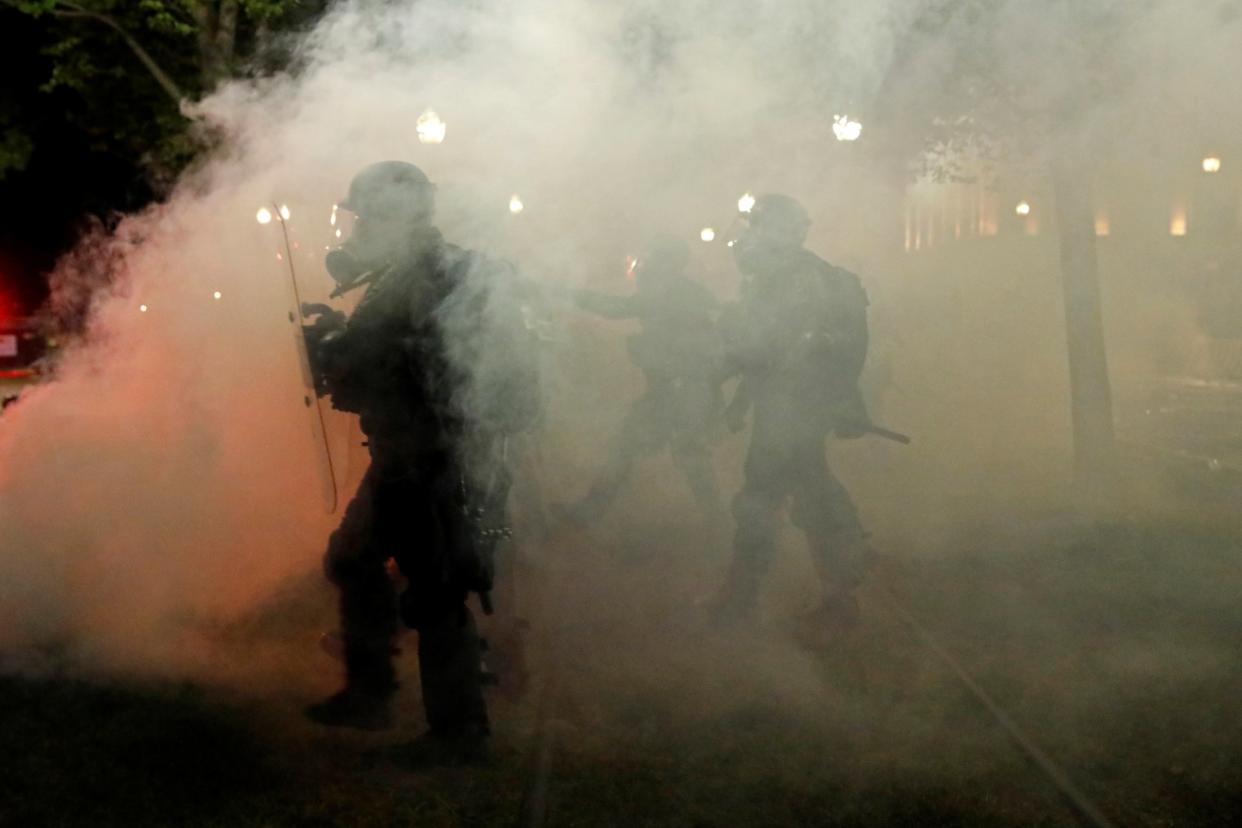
x=825, y=513
x=342, y=564
x=349, y=548
x=751, y=508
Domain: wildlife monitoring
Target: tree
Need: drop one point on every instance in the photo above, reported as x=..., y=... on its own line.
x=92, y=121
x=1004, y=80
x=155, y=55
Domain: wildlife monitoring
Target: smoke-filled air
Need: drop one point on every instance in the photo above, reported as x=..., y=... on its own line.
x=1008, y=594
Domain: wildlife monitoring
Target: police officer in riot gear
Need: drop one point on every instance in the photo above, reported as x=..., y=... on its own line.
x=797, y=339
x=677, y=348
x=434, y=360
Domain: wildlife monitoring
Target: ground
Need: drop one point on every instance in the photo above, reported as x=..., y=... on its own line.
x=1111, y=643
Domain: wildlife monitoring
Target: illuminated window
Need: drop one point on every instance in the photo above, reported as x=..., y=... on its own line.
x=1177, y=222
x=988, y=205
x=958, y=211
x=1102, y=227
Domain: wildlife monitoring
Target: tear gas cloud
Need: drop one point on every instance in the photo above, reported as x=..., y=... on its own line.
x=167, y=479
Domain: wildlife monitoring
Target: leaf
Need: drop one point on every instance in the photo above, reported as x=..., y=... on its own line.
x=16, y=147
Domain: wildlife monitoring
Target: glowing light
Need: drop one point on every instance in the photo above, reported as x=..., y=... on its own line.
x=142, y=308
x=1178, y=223
x=1102, y=225
x=846, y=128
x=338, y=232
x=1023, y=208
x=631, y=266
x=332, y=219
x=707, y=234
x=284, y=211
x=430, y=128
x=515, y=204
x=1211, y=164
x=216, y=295
x=732, y=242
x=264, y=216
x=746, y=203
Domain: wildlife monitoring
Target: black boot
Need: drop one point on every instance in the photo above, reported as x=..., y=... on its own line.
x=450, y=659
x=370, y=683
x=354, y=707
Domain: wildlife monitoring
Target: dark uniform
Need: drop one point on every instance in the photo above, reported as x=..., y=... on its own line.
x=434, y=360
x=798, y=339
x=678, y=350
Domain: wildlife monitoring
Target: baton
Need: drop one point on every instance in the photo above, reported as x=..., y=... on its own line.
x=887, y=434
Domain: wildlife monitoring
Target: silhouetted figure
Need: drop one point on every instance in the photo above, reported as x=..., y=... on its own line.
x=797, y=338
x=678, y=350
x=436, y=362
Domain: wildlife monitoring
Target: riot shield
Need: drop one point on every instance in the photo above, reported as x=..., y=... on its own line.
x=314, y=407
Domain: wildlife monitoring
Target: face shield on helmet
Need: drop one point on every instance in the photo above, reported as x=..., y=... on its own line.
x=662, y=257
x=775, y=226
x=388, y=207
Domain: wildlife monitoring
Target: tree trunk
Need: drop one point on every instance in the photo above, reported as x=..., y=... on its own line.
x=210, y=65
x=226, y=33
x=1091, y=404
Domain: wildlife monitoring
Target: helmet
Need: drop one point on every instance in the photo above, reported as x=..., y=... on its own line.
x=665, y=253
x=390, y=188
x=778, y=226
x=393, y=203
x=780, y=218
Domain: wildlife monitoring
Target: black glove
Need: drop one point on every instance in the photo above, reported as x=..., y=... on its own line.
x=850, y=419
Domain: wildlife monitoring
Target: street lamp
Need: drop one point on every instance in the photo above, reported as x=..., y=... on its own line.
x=1023, y=208
x=846, y=128
x=707, y=234
x=430, y=128
x=1211, y=164
x=264, y=216
x=746, y=203
x=515, y=204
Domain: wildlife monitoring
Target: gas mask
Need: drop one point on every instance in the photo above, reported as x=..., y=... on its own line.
x=755, y=252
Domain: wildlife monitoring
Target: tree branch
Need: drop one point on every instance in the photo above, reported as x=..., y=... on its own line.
x=165, y=81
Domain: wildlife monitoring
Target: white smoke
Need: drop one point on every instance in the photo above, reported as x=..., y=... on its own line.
x=168, y=474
